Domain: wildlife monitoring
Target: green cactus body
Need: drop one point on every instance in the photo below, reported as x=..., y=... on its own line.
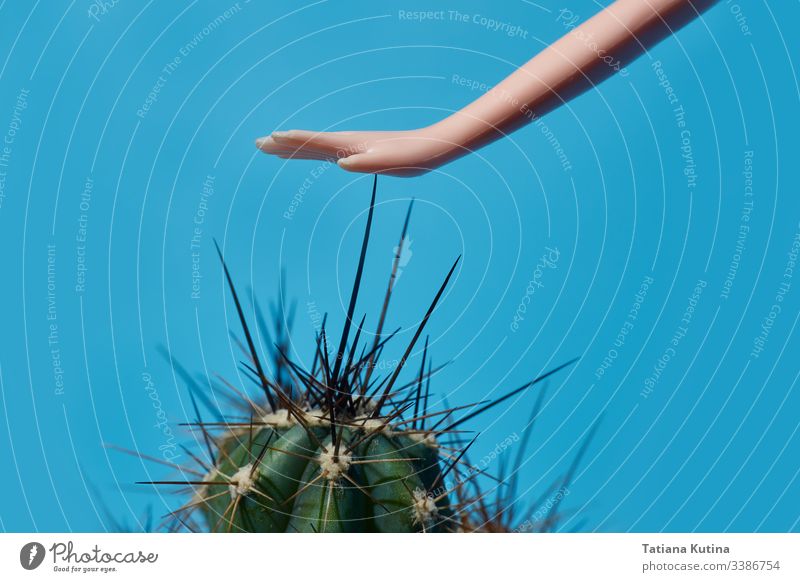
x=287, y=477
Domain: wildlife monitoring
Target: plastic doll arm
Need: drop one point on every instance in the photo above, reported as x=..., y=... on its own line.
x=580, y=59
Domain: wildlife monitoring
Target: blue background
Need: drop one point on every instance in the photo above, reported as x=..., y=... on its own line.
x=712, y=447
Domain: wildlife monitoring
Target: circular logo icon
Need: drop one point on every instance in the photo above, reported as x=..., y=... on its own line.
x=31, y=555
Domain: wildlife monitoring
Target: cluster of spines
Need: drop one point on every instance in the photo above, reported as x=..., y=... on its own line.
x=343, y=396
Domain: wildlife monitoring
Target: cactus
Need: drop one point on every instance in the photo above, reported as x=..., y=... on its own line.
x=334, y=449
x=320, y=475
x=497, y=510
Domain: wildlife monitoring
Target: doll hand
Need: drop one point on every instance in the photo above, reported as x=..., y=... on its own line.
x=396, y=153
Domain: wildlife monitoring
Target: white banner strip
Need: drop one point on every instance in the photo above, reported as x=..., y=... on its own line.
x=390, y=558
